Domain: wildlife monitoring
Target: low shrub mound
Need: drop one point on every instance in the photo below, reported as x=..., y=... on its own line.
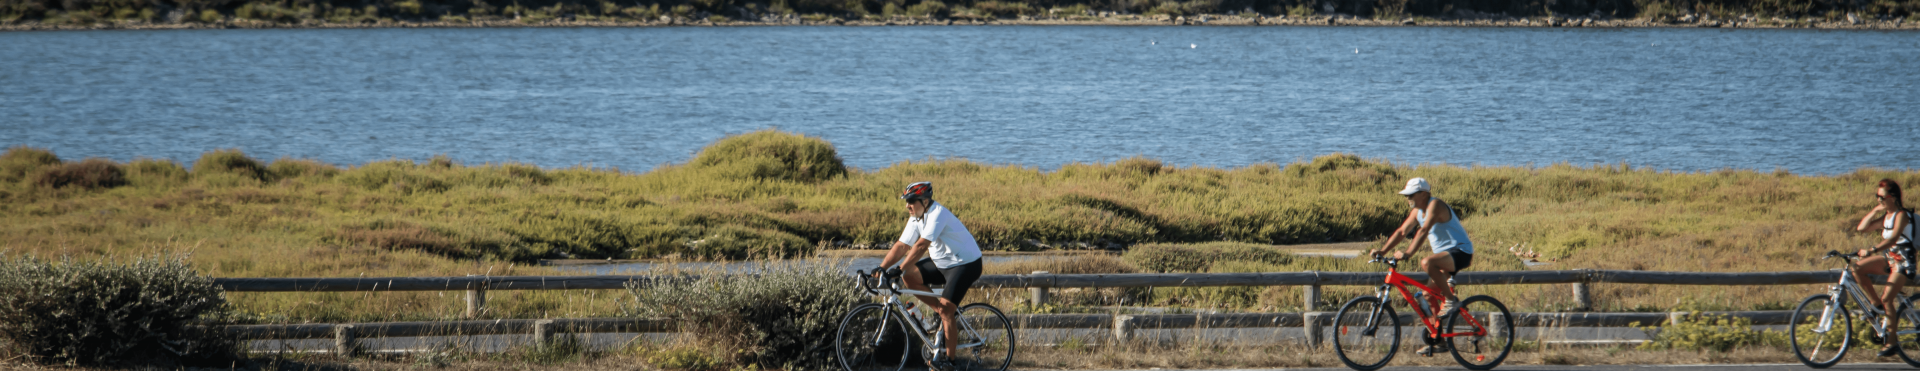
x=1200, y=258
x=146, y=312
x=229, y=161
x=769, y=154
x=784, y=317
x=94, y=173
x=20, y=162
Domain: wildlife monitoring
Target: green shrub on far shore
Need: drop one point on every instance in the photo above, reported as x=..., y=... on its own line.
x=149, y=311
x=783, y=317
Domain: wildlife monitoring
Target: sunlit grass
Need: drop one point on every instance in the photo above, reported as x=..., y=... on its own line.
x=775, y=194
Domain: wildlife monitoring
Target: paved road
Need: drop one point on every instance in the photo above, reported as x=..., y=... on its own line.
x=1731, y=367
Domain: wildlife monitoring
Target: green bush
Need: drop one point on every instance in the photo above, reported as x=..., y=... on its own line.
x=784, y=317
x=20, y=162
x=103, y=314
x=769, y=154
x=1709, y=332
x=1200, y=258
x=229, y=161
x=929, y=9
x=287, y=168
x=148, y=172
x=94, y=173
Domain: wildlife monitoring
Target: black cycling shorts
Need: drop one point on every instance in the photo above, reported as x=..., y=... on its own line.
x=962, y=277
x=1461, y=260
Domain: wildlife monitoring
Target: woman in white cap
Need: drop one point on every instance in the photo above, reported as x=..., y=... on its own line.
x=1440, y=226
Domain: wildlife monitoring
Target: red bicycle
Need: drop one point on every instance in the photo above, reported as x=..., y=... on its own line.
x=1367, y=332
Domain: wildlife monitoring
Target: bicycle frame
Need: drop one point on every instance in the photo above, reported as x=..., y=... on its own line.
x=893, y=303
x=1853, y=291
x=1432, y=322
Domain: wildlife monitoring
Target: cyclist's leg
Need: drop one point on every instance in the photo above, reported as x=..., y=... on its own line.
x=963, y=277
x=1896, y=279
x=919, y=275
x=1439, y=268
x=1876, y=264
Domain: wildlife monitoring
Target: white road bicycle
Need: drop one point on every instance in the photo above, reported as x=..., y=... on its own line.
x=1821, y=329
x=874, y=336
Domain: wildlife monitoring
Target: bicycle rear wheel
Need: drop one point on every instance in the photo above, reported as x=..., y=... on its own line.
x=985, y=341
x=1484, y=351
x=1365, y=333
x=1819, y=349
x=1906, y=335
x=872, y=339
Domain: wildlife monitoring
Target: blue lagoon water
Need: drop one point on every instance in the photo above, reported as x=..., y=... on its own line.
x=633, y=98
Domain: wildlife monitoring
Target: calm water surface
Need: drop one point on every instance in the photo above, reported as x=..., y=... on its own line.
x=634, y=98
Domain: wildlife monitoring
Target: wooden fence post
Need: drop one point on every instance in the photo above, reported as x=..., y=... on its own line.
x=1310, y=322
x=476, y=298
x=1310, y=298
x=1122, y=328
x=1582, y=296
x=1493, y=331
x=542, y=333
x=343, y=342
x=1039, y=293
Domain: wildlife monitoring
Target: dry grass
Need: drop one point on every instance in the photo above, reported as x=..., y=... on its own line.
x=296, y=218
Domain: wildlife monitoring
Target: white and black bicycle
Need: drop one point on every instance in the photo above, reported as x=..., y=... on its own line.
x=874, y=336
x=1821, y=329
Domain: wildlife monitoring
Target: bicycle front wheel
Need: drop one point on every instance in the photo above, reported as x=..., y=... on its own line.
x=985, y=341
x=1366, y=333
x=1473, y=348
x=872, y=339
x=1813, y=346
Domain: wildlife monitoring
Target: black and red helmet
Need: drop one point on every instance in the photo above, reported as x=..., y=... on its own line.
x=918, y=191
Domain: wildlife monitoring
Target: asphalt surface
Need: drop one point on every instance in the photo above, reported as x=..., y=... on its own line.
x=1727, y=367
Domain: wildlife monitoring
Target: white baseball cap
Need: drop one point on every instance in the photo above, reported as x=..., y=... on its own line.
x=1416, y=185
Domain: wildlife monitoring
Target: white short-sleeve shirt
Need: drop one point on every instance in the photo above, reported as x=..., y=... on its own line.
x=952, y=244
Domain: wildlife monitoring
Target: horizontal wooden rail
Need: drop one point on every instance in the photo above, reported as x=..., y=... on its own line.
x=1056, y=280
x=1122, y=327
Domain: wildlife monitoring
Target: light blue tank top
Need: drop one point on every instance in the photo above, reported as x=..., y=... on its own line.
x=1446, y=236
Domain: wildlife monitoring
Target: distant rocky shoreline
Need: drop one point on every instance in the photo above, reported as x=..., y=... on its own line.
x=1470, y=20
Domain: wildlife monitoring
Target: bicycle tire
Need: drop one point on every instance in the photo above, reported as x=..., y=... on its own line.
x=1798, y=328
x=1352, y=340
x=1907, y=344
x=867, y=339
x=1499, y=337
x=993, y=331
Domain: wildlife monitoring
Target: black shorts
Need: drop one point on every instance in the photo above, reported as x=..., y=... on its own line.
x=1461, y=260
x=962, y=277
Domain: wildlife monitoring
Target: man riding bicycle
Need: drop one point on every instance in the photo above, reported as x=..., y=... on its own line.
x=1432, y=222
x=943, y=252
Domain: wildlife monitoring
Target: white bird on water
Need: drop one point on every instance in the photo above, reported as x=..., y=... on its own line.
x=1356, y=50
x=1193, y=46
x=1152, y=42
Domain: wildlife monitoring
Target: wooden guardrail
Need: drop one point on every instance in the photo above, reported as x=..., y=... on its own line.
x=1123, y=327
x=1039, y=282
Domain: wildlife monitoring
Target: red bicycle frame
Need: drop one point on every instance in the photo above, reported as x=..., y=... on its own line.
x=1400, y=282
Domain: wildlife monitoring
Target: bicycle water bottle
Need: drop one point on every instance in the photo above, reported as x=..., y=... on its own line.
x=1420, y=302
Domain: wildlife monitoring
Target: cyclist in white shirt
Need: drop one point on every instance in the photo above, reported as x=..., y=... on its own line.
x=943, y=252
